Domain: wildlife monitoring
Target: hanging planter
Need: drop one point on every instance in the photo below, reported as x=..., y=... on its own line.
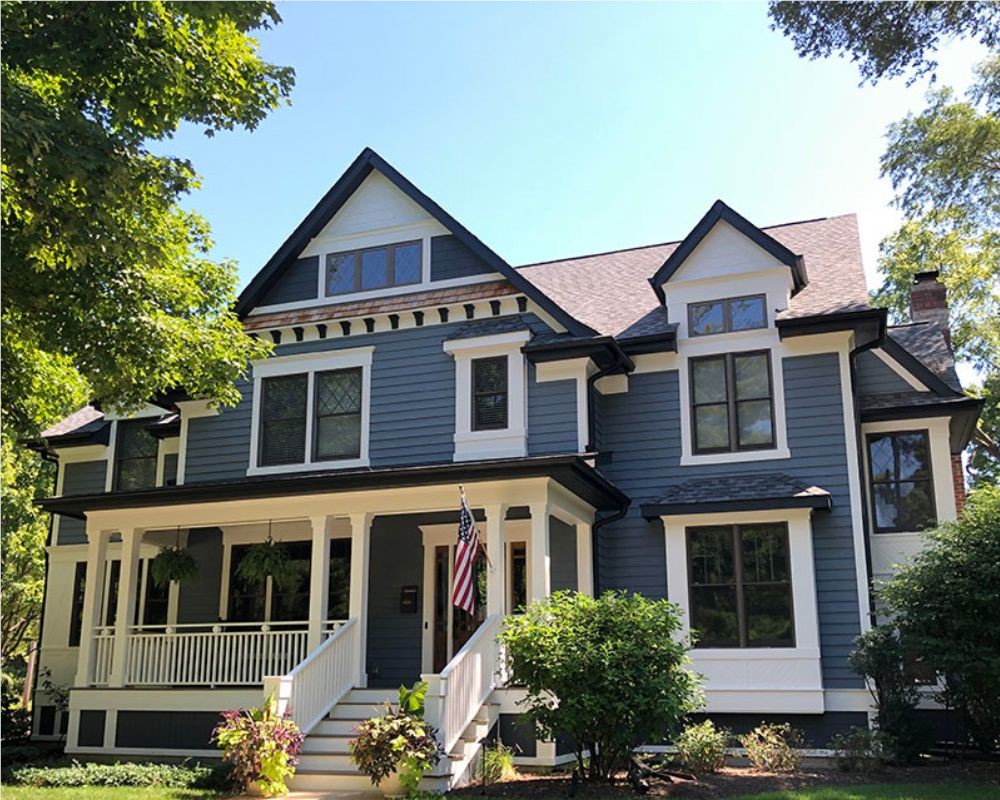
x=268, y=558
x=173, y=564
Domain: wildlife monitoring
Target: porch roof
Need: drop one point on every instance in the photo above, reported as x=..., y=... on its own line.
x=573, y=472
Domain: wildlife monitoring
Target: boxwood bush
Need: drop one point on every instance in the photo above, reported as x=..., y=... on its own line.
x=177, y=776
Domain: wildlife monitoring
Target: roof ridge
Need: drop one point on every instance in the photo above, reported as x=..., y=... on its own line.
x=665, y=244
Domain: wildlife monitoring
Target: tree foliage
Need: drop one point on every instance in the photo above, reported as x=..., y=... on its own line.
x=609, y=673
x=945, y=604
x=885, y=39
x=108, y=290
x=944, y=163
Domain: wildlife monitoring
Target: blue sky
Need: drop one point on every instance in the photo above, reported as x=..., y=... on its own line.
x=553, y=130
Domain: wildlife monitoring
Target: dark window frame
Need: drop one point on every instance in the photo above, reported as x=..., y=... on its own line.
x=262, y=422
x=137, y=424
x=474, y=424
x=732, y=403
x=727, y=314
x=316, y=416
x=738, y=584
x=390, y=267
x=896, y=480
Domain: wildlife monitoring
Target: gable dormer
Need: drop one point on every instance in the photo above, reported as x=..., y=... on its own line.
x=722, y=262
x=374, y=234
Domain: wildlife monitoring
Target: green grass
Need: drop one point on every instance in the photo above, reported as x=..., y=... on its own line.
x=884, y=791
x=104, y=793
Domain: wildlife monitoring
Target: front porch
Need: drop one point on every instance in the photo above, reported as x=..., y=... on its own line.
x=372, y=608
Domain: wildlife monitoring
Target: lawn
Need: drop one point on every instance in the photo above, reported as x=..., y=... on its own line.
x=871, y=792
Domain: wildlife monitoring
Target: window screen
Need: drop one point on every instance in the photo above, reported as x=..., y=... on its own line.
x=489, y=393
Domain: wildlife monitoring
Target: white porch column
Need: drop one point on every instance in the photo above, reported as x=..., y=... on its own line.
x=125, y=611
x=584, y=559
x=496, y=578
x=541, y=576
x=319, y=579
x=97, y=554
x=360, y=549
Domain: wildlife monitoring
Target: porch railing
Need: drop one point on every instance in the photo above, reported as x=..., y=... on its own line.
x=316, y=685
x=455, y=695
x=220, y=654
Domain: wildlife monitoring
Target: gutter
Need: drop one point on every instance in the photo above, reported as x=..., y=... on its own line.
x=621, y=363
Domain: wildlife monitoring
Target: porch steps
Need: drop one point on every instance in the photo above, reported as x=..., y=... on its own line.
x=325, y=764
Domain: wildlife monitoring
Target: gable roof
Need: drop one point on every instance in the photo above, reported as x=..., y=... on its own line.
x=610, y=291
x=926, y=343
x=720, y=212
x=367, y=162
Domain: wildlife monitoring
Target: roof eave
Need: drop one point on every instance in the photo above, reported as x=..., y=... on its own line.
x=868, y=325
x=653, y=511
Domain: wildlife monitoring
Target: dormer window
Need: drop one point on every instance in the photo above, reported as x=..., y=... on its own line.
x=135, y=456
x=373, y=268
x=726, y=316
x=732, y=405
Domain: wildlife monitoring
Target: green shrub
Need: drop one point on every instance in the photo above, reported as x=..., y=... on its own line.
x=260, y=746
x=771, y=747
x=177, y=776
x=861, y=750
x=498, y=763
x=702, y=747
x=610, y=673
x=398, y=740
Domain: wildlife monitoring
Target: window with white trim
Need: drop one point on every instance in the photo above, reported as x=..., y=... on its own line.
x=902, y=485
x=135, y=455
x=374, y=268
x=726, y=316
x=489, y=393
x=732, y=402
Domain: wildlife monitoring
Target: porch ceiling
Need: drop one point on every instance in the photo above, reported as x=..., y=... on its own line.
x=572, y=472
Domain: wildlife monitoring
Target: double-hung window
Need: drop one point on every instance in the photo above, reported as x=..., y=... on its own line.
x=740, y=585
x=312, y=418
x=373, y=268
x=902, y=487
x=135, y=455
x=489, y=393
x=732, y=404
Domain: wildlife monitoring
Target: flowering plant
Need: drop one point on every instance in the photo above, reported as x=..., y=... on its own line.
x=260, y=746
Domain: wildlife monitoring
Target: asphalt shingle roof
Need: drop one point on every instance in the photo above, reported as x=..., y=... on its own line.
x=926, y=342
x=610, y=292
x=718, y=490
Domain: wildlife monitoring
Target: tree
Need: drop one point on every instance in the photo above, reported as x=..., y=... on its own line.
x=945, y=605
x=610, y=673
x=885, y=39
x=944, y=164
x=108, y=290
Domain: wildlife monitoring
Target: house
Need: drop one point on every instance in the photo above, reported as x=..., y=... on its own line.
x=723, y=421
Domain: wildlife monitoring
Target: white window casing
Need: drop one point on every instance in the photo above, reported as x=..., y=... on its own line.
x=509, y=442
x=309, y=364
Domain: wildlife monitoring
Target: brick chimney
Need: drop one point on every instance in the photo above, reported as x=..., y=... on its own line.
x=929, y=301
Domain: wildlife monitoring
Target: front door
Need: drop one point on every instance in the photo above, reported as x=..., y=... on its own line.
x=453, y=626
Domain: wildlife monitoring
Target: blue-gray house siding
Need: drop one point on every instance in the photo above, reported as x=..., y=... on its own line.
x=451, y=258
x=299, y=282
x=412, y=407
x=874, y=376
x=83, y=477
x=642, y=431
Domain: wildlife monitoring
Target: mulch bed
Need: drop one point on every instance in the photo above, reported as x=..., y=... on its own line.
x=732, y=781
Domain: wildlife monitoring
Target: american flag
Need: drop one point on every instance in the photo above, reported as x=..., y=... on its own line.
x=464, y=593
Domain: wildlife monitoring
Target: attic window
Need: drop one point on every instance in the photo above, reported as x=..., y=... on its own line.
x=373, y=268
x=726, y=316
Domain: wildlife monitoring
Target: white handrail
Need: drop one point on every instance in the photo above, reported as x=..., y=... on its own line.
x=455, y=695
x=319, y=682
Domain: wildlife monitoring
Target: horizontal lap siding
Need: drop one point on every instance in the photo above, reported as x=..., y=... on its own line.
x=642, y=431
x=199, y=598
x=218, y=448
x=299, y=282
x=874, y=376
x=562, y=555
x=84, y=477
x=451, y=259
x=551, y=416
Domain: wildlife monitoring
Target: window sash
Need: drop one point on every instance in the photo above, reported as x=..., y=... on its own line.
x=727, y=314
x=739, y=584
x=897, y=481
x=480, y=416
x=732, y=403
x=345, y=415
x=357, y=256
x=286, y=415
x=146, y=462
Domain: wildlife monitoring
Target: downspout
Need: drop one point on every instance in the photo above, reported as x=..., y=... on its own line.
x=594, y=530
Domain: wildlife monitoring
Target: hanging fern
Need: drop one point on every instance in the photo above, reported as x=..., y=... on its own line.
x=268, y=558
x=173, y=564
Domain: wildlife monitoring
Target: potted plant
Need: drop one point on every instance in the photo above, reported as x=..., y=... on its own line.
x=261, y=747
x=173, y=564
x=398, y=748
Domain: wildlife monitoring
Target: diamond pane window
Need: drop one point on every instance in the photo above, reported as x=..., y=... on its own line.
x=406, y=263
x=374, y=268
x=135, y=456
x=902, y=487
x=341, y=272
x=283, y=420
x=337, y=421
x=731, y=403
x=489, y=393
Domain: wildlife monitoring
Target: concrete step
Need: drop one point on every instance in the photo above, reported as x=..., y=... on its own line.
x=346, y=781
